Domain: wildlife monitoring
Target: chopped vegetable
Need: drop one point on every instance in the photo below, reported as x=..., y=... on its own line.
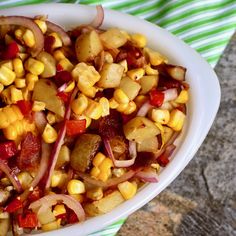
x=14, y=205
x=75, y=127
x=7, y=149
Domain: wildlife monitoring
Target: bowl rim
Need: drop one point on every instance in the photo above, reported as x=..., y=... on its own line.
x=202, y=112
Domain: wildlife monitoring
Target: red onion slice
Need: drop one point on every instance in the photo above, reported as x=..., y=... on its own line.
x=121, y=163
x=98, y=20
x=61, y=32
x=62, y=88
x=144, y=109
x=170, y=94
x=27, y=23
x=40, y=121
x=49, y=200
x=148, y=175
x=11, y=175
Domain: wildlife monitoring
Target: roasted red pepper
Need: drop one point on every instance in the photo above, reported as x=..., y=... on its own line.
x=63, y=96
x=72, y=218
x=7, y=149
x=27, y=221
x=11, y=51
x=156, y=98
x=62, y=76
x=35, y=195
x=25, y=107
x=75, y=127
x=13, y=206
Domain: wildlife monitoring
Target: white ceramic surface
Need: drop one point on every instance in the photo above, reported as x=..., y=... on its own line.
x=202, y=107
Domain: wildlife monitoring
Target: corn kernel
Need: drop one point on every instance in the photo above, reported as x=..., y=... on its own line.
x=26, y=94
x=131, y=108
x=58, y=55
x=7, y=76
x=7, y=63
x=120, y=96
x=70, y=87
x=183, y=97
x=88, y=120
x=51, y=118
x=155, y=57
x=20, y=83
x=105, y=165
x=95, y=193
x=89, y=91
x=118, y=172
x=105, y=106
x=127, y=189
x=160, y=116
x=50, y=226
x=59, y=210
x=18, y=67
x=1, y=87
x=49, y=134
x=122, y=107
x=25, y=179
x=150, y=71
x=139, y=40
x=108, y=57
x=103, y=176
x=95, y=172
x=34, y=66
x=98, y=159
x=58, y=178
x=19, y=33
x=66, y=64
x=16, y=94
x=176, y=121
x=113, y=104
x=79, y=105
x=28, y=38
x=75, y=186
x=63, y=157
x=125, y=65
x=78, y=197
x=5, y=181
x=42, y=25
x=10, y=132
x=94, y=110
x=136, y=74
x=23, y=56
x=156, y=166
x=38, y=106
x=57, y=43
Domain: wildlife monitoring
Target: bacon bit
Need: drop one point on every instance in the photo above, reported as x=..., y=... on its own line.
x=30, y=152
x=127, y=118
x=168, y=83
x=62, y=77
x=72, y=218
x=10, y=51
x=143, y=159
x=48, y=43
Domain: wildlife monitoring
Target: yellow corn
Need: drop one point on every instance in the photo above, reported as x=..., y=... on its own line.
x=7, y=63
x=94, y=110
x=34, y=66
x=103, y=176
x=118, y=172
x=95, y=193
x=1, y=87
x=26, y=94
x=66, y=64
x=140, y=100
x=59, y=210
x=127, y=189
x=6, y=95
x=124, y=64
x=51, y=118
x=28, y=38
x=155, y=57
x=176, y=121
x=113, y=104
x=42, y=25
x=131, y=108
x=183, y=97
x=20, y=83
x=25, y=179
x=23, y=56
x=88, y=120
x=160, y=116
x=49, y=134
x=70, y=87
x=105, y=106
x=58, y=42
x=16, y=94
x=7, y=76
x=58, y=178
x=38, y=106
x=17, y=129
x=63, y=157
x=78, y=197
x=18, y=67
x=150, y=71
x=19, y=33
x=89, y=92
x=79, y=105
x=122, y=107
x=98, y=159
x=5, y=181
x=156, y=166
x=95, y=172
x=51, y=226
x=108, y=57
x=136, y=74
x=139, y=40
x=75, y=186
x=9, y=115
x=58, y=55
x=106, y=165
x=120, y=96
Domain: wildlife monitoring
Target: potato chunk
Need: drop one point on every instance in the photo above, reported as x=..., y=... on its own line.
x=49, y=64
x=148, y=82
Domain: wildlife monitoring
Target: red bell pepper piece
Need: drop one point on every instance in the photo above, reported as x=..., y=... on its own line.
x=59, y=68
x=156, y=98
x=13, y=206
x=25, y=107
x=75, y=127
x=72, y=218
x=64, y=96
x=7, y=149
x=11, y=51
x=27, y=221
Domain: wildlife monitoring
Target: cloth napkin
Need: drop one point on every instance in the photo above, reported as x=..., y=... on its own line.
x=205, y=25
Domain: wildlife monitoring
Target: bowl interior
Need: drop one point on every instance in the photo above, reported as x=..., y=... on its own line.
x=201, y=109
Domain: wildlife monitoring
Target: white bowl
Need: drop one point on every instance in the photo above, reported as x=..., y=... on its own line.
x=202, y=107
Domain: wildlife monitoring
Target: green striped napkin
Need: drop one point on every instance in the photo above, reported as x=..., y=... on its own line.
x=205, y=25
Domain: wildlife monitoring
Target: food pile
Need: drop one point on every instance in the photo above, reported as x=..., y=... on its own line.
x=86, y=118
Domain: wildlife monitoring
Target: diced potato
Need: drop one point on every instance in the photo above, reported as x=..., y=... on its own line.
x=88, y=46
x=113, y=38
x=4, y=226
x=176, y=72
x=49, y=64
x=105, y=204
x=130, y=87
x=46, y=91
x=140, y=128
x=148, y=145
x=148, y=82
x=155, y=58
x=110, y=75
x=45, y=216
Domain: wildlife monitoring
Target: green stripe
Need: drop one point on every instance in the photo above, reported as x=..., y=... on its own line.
x=211, y=46
x=122, y=6
x=213, y=59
